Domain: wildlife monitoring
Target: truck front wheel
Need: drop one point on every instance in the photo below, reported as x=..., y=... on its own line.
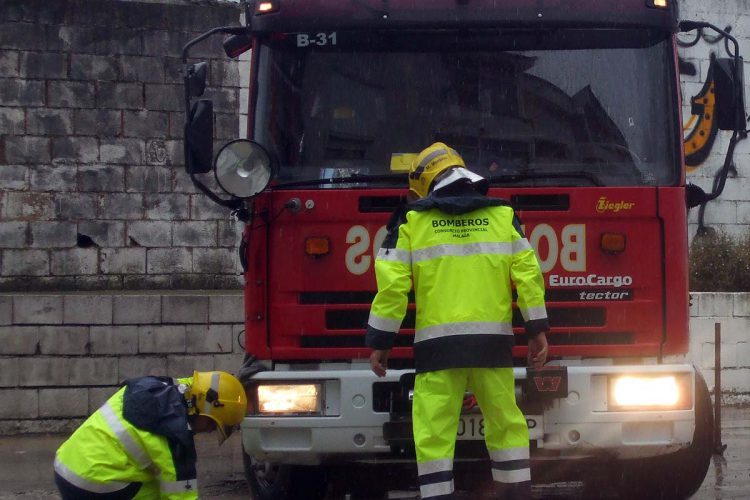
x=273, y=481
x=679, y=475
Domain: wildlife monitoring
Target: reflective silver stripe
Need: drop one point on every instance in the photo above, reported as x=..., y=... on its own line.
x=511, y=476
x=394, y=255
x=467, y=328
x=436, y=489
x=178, y=486
x=385, y=324
x=533, y=313
x=521, y=245
x=521, y=453
x=427, y=159
x=442, y=465
x=85, y=484
x=457, y=250
x=133, y=448
x=215, y=377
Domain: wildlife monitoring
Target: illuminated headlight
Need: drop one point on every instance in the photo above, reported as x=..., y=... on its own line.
x=289, y=398
x=650, y=392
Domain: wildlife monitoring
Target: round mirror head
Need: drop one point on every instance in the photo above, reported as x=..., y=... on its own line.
x=243, y=168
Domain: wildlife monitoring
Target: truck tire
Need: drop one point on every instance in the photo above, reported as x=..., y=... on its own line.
x=272, y=481
x=679, y=475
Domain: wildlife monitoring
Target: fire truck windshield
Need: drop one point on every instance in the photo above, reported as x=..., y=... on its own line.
x=355, y=106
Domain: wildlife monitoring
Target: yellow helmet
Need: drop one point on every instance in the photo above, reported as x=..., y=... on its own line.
x=429, y=164
x=220, y=397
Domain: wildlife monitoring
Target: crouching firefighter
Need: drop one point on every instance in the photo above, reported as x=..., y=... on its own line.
x=139, y=444
x=462, y=251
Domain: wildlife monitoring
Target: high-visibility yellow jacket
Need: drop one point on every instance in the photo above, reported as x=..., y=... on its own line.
x=463, y=253
x=140, y=434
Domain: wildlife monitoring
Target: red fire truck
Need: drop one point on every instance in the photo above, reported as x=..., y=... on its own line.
x=572, y=110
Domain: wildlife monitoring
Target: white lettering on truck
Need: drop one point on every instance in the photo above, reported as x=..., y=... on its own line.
x=569, y=248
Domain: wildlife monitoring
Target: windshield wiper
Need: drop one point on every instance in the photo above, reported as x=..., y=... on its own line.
x=349, y=179
x=519, y=177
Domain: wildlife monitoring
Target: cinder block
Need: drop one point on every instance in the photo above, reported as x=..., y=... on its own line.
x=743, y=354
x=734, y=330
x=229, y=308
x=8, y=66
x=12, y=120
x=209, y=338
x=99, y=395
x=115, y=95
x=43, y=372
x=70, y=206
x=185, y=309
x=25, y=263
x=57, y=403
x=28, y=206
x=161, y=339
x=123, y=260
x=74, y=261
x=15, y=177
x=26, y=149
x=101, y=178
x=230, y=233
x=168, y=260
x=113, y=340
x=143, y=124
x=122, y=206
x=87, y=309
x=163, y=97
x=716, y=304
x=98, y=122
x=103, y=233
x=137, y=309
x=78, y=149
x=737, y=380
x=139, y=366
x=63, y=339
x=19, y=339
x=150, y=179
x=19, y=403
x=184, y=366
x=21, y=92
x=69, y=94
x=8, y=372
x=54, y=178
x=6, y=309
x=48, y=122
x=215, y=261
x=741, y=304
x=142, y=69
x=37, y=309
x=13, y=234
x=201, y=208
x=194, y=234
x=230, y=363
x=92, y=371
x=150, y=233
x=53, y=234
x=166, y=206
x=93, y=67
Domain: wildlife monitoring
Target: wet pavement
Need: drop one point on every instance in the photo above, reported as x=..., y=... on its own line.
x=26, y=468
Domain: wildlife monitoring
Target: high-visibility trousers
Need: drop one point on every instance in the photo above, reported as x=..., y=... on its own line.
x=438, y=398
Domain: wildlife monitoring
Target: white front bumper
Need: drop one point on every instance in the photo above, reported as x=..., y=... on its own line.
x=574, y=427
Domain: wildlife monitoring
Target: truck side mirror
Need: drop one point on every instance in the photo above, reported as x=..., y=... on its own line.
x=730, y=104
x=199, y=137
x=196, y=78
x=694, y=195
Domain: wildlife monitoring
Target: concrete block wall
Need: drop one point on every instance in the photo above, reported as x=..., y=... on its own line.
x=731, y=211
x=93, y=194
x=732, y=312
x=63, y=355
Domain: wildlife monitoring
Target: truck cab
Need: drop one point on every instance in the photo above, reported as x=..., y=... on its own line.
x=572, y=111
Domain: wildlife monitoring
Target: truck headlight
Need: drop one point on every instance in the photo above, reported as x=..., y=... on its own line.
x=289, y=398
x=650, y=392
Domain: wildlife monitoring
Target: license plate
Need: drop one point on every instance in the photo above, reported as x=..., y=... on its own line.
x=471, y=427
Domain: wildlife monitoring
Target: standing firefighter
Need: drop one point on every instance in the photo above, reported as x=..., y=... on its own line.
x=462, y=250
x=139, y=444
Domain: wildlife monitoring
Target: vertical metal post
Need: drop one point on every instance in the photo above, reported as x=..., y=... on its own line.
x=718, y=447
